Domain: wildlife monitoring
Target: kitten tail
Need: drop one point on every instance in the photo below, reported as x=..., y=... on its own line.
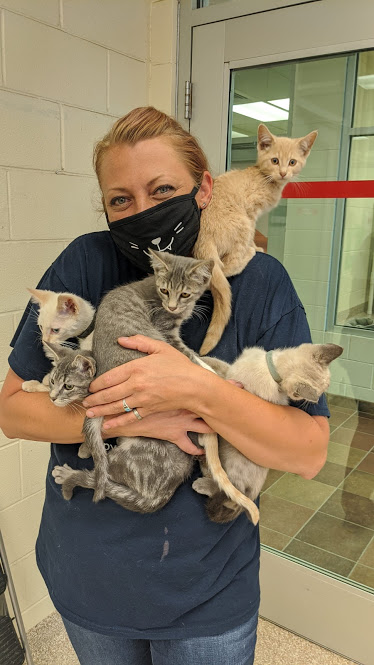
x=210, y=443
x=94, y=441
x=221, y=292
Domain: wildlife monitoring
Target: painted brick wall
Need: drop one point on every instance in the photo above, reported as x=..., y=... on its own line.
x=68, y=69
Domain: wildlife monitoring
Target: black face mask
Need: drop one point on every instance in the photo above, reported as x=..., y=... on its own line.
x=171, y=226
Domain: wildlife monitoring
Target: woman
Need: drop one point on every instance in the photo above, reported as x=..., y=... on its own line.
x=168, y=587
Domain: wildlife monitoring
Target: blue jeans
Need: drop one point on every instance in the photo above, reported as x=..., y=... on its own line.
x=235, y=647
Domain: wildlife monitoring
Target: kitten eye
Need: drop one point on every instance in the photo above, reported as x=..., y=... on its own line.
x=68, y=386
x=55, y=330
x=164, y=291
x=52, y=381
x=296, y=393
x=185, y=295
x=292, y=162
x=274, y=160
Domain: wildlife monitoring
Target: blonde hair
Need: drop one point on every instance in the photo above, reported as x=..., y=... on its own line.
x=146, y=122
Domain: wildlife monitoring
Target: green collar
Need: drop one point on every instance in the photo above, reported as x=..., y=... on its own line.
x=271, y=366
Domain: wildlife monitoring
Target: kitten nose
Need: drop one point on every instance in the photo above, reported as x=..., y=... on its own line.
x=172, y=309
x=283, y=173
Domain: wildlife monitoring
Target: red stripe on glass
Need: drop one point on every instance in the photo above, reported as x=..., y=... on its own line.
x=343, y=189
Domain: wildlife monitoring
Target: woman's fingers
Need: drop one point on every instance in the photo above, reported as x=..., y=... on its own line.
x=185, y=444
x=109, y=409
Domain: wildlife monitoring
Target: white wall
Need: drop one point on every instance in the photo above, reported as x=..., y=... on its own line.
x=68, y=69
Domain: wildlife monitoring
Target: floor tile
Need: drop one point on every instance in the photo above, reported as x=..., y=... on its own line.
x=364, y=575
x=338, y=453
x=350, y=437
x=273, y=539
x=332, y=474
x=337, y=536
x=360, y=483
x=360, y=423
x=338, y=417
x=350, y=507
x=367, y=464
x=367, y=558
x=272, y=478
x=321, y=558
x=366, y=409
x=308, y=493
x=282, y=516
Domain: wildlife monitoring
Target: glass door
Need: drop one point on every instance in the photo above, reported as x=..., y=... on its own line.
x=317, y=563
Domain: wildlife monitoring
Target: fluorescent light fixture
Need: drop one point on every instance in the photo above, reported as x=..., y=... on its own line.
x=282, y=103
x=366, y=82
x=238, y=135
x=261, y=111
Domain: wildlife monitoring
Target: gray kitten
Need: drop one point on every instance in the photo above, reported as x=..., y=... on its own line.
x=141, y=474
x=298, y=373
x=71, y=374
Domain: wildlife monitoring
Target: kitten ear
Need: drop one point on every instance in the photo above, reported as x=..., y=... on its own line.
x=307, y=141
x=67, y=305
x=157, y=259
x=307, y=392
x=203, y=269
x=54, y=351
x=326, y=353
x=85, y=365
x=264, y=138
x=39, y=296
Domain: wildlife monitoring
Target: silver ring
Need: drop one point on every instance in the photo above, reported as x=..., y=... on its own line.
x=139, y=417
x=126, y=406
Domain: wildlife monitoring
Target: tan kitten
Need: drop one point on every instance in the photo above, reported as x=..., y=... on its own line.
x=228, y=224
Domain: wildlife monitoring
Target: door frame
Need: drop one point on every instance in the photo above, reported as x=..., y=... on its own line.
x=323, y=608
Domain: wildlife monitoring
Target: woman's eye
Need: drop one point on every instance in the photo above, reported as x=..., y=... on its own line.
x=164, y=291
x=275, y=160
x=55, y=330
x=164, y=189
x=292, y=162
x=118, y=201
x=68, y=386
x=185, y=295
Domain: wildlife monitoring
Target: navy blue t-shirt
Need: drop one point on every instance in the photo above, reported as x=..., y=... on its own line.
x=105, y=567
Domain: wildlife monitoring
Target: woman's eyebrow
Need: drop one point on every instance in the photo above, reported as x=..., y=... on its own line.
x=149, y=184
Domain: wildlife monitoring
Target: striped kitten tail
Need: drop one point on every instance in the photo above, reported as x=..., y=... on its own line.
x=210, y=443
x=94, y=441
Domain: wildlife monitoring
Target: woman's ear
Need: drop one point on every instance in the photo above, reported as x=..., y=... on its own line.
x=204, y=194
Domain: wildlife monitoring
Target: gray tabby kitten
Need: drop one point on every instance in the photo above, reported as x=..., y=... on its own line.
x=71, y=374
x=298, y=373
x=148, y=471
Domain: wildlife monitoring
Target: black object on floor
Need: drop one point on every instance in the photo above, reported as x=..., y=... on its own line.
x=11, y=651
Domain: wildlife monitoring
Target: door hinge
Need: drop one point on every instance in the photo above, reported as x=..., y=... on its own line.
x=187, y=100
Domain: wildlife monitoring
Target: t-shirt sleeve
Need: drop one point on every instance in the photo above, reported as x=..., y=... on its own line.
x=292, y=329
x=27, y=358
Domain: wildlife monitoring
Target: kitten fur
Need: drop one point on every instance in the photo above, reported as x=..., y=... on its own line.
x=61, y=316
x=150, y=470
x=304, y=375
x=228, y=224
x=71, y=374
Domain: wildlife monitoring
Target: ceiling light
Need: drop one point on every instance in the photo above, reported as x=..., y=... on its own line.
x=261, y=111
x=283, y=103
x=366, y=82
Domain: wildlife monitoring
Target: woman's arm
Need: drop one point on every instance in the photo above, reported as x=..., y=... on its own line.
x=32, y=416
x=279, y=437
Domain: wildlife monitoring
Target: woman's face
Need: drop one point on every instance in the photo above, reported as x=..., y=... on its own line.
x=136, y=177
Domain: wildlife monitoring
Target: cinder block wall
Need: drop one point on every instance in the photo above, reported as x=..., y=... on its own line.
x=68, y=69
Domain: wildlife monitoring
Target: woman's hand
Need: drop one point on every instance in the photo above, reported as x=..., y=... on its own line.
x=169, y=425
x=160, y=381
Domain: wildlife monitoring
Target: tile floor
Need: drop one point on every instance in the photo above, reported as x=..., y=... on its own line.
x=275, y=646
x=329, y=521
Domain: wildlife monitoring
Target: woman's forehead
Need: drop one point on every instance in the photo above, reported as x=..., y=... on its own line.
x=146, y=158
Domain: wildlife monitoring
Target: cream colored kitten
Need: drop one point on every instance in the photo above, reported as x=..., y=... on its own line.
x=298, y=373
x=61, y=316
x=228, y=224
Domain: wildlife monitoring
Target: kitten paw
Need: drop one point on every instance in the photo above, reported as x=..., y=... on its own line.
x=83, y=451
x=31, y=386
x=205, y=486
x=62, y=474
